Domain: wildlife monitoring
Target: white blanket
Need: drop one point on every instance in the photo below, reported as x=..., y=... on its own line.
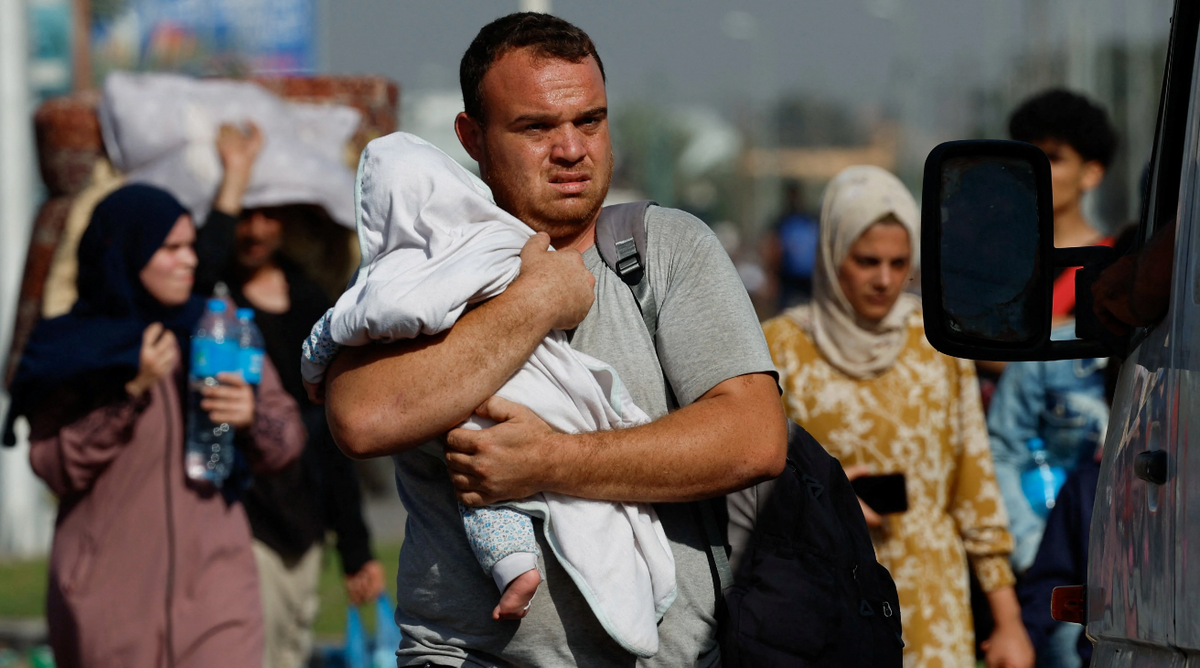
x=433, y=241
x=162, y=129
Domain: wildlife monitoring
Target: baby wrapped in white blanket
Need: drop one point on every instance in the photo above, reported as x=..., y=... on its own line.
x=433, y=241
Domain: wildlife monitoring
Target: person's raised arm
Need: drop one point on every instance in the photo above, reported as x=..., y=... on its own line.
x=384, y=399
x=238, y=150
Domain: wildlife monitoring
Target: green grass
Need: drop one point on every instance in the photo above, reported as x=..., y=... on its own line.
x=23, y=588
x=23, y=591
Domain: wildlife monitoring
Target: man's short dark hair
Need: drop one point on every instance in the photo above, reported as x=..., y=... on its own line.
x=548, y=36
x=1068, y=117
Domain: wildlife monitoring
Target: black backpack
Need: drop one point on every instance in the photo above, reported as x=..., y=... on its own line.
x=808, y=591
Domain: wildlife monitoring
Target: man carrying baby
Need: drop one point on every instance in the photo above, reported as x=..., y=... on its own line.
x=536, y=122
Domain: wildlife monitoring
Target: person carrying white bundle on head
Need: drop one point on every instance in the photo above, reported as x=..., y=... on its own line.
x=434, y=243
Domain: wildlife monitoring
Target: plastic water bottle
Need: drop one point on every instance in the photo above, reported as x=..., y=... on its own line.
x=1042, y=481
x=210, y=453
x=251, y=347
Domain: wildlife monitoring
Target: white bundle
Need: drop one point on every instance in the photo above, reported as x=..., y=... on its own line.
x=434, y=241
x=161, y=129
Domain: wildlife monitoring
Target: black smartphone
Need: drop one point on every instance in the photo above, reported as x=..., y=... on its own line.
x=885, y=494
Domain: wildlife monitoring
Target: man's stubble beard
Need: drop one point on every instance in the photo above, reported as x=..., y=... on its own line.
x=513, y=196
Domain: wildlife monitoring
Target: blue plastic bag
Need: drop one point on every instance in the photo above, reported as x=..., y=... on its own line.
x=355, y=654
x=387, y=634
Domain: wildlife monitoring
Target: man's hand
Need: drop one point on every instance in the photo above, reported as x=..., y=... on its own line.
x=158, y=357
x=1126, y=295
x=1136, y=289
x=386, y=399
x=238, y=149
x=500, y=463
x=874, y=520
x=733, y=436
x=556, y=282
x=365, y=585
x=230, y=402
x=1111, y=293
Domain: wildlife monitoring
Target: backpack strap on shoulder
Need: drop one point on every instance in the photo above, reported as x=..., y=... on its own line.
x=621, y=241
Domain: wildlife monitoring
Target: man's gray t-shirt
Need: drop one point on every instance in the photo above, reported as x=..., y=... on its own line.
x=707, y=333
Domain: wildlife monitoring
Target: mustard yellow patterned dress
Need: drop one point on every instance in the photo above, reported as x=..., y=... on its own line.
x=921, y=417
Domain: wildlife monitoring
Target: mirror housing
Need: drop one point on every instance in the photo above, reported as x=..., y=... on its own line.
x=988, y=257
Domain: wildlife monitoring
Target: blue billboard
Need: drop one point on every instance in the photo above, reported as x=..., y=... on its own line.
x=204, y=37
x=50, y=29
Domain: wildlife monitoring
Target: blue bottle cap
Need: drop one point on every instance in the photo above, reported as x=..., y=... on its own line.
x=216, y=305
x=245, y=314
x=1036, y=443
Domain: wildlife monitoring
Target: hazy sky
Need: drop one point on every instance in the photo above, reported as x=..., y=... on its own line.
x=920, y=61
x=710, y=50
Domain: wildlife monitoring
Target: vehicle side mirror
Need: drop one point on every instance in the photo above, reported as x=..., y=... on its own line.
x=988, y=256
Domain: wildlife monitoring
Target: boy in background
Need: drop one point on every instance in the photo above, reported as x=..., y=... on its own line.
x=1076, y=136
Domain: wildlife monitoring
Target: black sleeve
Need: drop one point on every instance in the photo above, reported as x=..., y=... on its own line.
x=214, y=250
x=341, y=501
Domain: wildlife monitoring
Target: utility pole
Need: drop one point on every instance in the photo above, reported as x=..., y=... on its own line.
x=81, y=48
x=25, y=519
x=1037, y=30
x=16, y=146
x=539, y=6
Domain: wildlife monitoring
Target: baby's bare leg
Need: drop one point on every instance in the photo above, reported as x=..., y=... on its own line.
x=504, y=542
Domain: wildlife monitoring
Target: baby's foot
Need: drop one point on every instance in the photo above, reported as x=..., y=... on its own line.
x=514, y=602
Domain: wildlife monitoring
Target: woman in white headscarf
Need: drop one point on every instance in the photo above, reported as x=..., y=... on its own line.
x=859, y=375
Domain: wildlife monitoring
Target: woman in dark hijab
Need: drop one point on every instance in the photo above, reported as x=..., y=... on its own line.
x=146, y=570
x=103, y=331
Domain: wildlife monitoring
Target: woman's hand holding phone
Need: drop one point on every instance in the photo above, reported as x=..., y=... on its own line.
x=874, y=519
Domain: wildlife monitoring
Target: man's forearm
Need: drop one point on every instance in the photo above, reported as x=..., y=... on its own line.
x=381, y=400
x=230, y=192
x=384, y=399
x=729, y=439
